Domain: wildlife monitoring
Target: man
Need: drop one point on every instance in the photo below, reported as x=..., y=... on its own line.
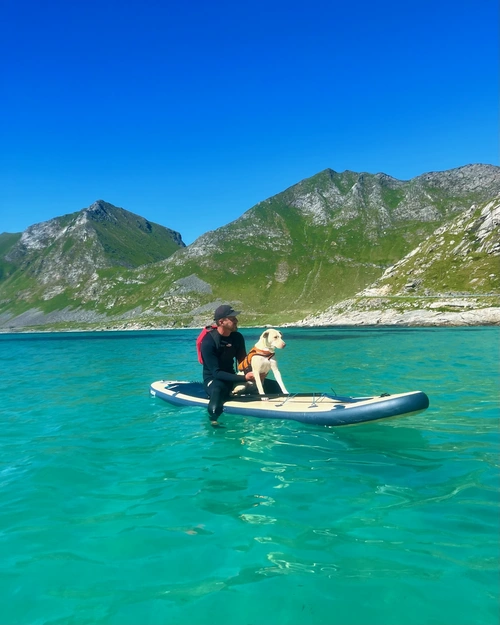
x=219, y=349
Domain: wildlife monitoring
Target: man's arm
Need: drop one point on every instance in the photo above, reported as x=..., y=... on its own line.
x=241, y=350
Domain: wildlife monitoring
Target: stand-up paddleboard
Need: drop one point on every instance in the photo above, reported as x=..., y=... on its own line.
x=319, y=408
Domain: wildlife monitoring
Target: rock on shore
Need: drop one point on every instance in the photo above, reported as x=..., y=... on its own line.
x=445, y=312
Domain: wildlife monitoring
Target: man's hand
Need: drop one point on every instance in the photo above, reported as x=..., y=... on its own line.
x=249, y=376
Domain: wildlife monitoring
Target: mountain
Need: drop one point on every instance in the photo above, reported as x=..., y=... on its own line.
x=52, y=259
x=452, y=277
x=315, y=244
x=327, y=237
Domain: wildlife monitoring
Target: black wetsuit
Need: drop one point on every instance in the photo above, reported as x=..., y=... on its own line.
x=219, y=378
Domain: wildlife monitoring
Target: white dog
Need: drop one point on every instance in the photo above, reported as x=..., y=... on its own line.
x=261, y=360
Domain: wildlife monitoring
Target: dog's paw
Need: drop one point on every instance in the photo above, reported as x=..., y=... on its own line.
x=264, y=398
x=238, y=389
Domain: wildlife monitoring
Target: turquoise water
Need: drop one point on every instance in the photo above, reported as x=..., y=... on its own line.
x=120, y=509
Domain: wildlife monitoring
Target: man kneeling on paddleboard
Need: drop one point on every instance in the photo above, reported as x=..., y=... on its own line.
x=220, y=347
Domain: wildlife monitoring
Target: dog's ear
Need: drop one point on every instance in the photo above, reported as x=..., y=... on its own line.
x=265, y=334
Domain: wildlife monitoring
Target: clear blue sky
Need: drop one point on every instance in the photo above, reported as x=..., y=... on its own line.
x=189, y=113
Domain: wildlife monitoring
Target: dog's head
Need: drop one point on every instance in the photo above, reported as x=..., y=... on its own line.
x=272, y=339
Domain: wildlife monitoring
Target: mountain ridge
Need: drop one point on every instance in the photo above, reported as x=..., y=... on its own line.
x=316, y=243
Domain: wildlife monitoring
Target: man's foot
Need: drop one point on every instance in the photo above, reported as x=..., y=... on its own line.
x=215, y=424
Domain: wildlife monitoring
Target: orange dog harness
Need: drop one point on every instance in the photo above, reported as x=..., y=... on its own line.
x=245, y=364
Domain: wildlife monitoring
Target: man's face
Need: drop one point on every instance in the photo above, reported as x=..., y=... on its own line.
x=230, y=324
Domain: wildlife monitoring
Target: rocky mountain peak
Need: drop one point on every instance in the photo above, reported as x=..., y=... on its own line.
x=101, y=211
x=97, y=206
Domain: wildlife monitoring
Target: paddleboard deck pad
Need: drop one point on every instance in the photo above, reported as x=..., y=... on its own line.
x=318, y=408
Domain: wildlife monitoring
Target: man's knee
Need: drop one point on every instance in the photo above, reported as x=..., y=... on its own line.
x=218, y=395
x=214, y=409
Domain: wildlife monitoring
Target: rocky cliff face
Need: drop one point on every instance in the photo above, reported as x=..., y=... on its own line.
x=451, y=278
x=318, y=243
x=59, y=251
x=460, y=256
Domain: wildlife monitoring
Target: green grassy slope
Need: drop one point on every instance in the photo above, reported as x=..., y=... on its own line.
x=7, y=242
x=130, y=240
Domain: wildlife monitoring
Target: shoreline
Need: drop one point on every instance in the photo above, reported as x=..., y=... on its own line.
x=409, y=318
x=363, y=320
x=367, y=309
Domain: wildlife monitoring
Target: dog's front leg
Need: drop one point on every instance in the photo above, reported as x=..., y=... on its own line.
x=277, y=376
x=256, y=367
